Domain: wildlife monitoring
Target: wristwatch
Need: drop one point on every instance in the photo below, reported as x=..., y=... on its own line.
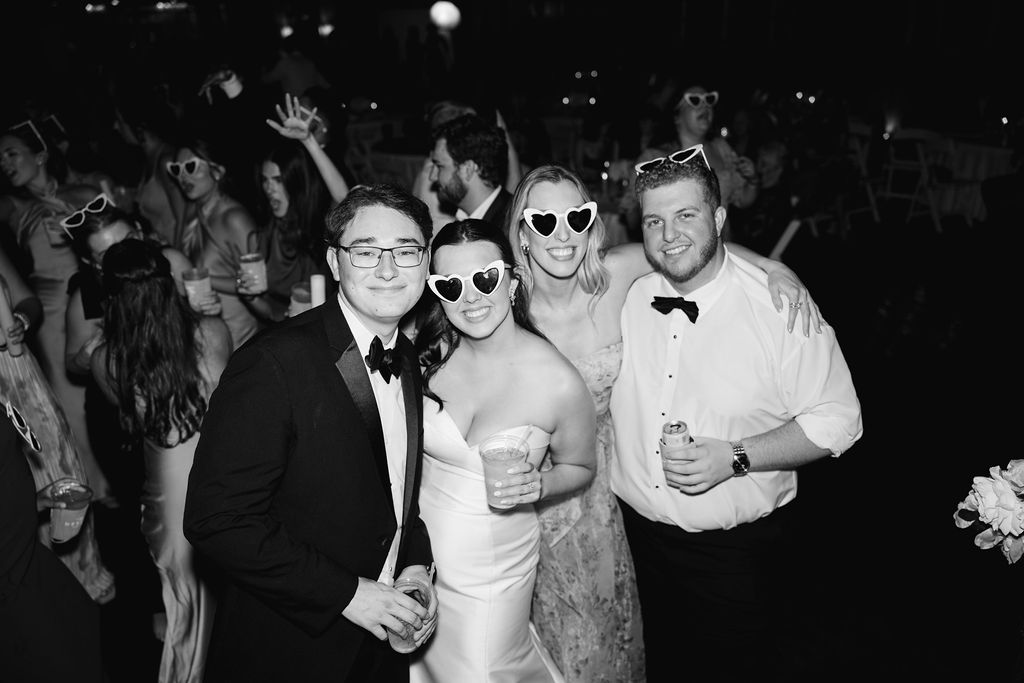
x=740, y=461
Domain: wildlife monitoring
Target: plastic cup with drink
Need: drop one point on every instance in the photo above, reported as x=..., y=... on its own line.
x=197, y=285
x=498, y=453
x=66, y=521
x=300, y=299
x=418, y=589
x=255, y=266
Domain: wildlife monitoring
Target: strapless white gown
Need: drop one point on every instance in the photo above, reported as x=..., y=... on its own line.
x=486, y=567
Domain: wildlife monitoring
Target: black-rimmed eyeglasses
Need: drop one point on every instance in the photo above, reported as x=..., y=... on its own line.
x=405, y=256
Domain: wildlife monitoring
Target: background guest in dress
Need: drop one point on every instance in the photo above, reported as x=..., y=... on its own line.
x=159, y=363
x=707, y=525
x=22, y=382
x=218, y=230
x=33, y=211
x=301, y=184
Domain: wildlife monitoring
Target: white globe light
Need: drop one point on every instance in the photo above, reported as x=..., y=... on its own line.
x=445, y=15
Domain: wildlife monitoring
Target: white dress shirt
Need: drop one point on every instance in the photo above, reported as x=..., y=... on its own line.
x=391, y=406
x=479, y=211
x=735, y=372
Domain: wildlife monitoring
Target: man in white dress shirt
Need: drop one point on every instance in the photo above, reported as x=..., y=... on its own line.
x=704, y=344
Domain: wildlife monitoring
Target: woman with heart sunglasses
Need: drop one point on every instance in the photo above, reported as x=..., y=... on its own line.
x=577, y=289
x=218, y=229
x=487, y=370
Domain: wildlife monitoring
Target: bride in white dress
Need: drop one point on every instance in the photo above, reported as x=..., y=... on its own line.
x=492, y=372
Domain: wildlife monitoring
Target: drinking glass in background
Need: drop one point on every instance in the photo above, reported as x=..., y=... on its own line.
x=197, y=285
x=255, y=267
x=300, y=299
x=498, y=453
x=66, y=521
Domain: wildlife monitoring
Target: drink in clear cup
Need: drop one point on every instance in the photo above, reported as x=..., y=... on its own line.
x=197, y=285
x=499, y=452
x=66, y=522
x=420, y=591
x=300, y=299
x=254, y=265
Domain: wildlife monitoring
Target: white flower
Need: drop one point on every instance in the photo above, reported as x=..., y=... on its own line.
x=1014, y=473
x=997, y=503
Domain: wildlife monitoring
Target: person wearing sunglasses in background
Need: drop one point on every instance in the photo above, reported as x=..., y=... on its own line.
x=488, y=370
x=709, y=527
x=218, y=230
x=577, y=289
x=51, y=450
x=149, y=124
x=33, y=212
x=694, y=118
x=92, y=230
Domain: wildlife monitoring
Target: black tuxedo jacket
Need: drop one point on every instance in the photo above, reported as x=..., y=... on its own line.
x=497, y=212
x=289, y=495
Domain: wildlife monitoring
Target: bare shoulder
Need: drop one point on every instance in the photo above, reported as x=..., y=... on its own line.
x=549, y=367
x=215, y=335
x=626, y=262
x=177, y=259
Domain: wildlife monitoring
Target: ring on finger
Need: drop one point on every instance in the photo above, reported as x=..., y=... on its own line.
x=796, y=304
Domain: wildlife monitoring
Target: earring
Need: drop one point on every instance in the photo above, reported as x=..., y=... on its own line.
x=512, y=292
x=526, y=248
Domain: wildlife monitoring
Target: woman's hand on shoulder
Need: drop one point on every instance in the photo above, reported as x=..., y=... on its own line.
x=782, y=281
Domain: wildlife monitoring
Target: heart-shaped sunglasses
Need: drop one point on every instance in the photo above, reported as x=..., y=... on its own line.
x=189, y=167
x=579, y=219
x=484, y=280
x=696, y=99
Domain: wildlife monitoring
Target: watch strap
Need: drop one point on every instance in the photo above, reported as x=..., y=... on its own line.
x=740, y=461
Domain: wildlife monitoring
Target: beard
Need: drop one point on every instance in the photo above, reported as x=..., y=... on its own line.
x=453, y=192
x=707, y=252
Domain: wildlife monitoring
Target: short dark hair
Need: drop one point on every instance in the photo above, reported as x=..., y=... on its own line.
x=669, y=172
x=384, y=194
x=471, y=138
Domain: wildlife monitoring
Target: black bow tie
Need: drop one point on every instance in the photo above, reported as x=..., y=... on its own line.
x=385, y=361
x=664, y=304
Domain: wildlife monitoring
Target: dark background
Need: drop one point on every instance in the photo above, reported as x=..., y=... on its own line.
x=893, y=590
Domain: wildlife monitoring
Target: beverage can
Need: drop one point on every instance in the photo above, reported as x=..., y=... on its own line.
x=675, y=433
x=675, y=437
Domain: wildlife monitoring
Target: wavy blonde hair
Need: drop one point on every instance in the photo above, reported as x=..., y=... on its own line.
x=592, y=274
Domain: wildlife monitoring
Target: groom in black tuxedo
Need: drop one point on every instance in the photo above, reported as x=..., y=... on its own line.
x=307, y=472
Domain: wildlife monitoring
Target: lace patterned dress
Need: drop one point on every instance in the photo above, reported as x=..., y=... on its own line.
x=22, y=384
x=585, y=603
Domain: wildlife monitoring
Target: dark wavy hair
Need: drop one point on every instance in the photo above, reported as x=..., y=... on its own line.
x=365, y=196
x=471, y=138
x=437, y=338
x=152, y=351
x=302, y=228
